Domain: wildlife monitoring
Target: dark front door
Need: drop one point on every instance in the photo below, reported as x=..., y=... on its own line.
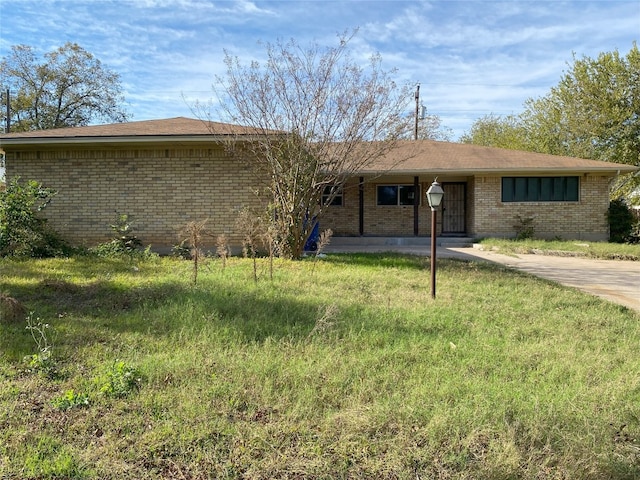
x=453, y=211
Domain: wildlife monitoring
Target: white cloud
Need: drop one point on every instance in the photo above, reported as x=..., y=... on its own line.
x=472, y=57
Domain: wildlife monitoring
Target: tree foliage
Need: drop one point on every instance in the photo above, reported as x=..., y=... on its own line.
x=320, y=116
x=70, y=87
x=22, y=232
x=496, y=131
x=593, y=113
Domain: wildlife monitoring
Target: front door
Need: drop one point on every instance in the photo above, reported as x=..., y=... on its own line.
x=453, y=208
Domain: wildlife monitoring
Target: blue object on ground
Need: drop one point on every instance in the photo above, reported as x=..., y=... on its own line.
x=311, y=244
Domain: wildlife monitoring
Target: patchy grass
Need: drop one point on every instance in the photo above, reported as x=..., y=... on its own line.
x=599, y=250
x=342, y=368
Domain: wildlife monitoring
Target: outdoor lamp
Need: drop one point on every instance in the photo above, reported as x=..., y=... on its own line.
x=434, y=197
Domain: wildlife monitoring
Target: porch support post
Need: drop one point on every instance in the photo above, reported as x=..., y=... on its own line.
x=416, y=205
x=361, y=206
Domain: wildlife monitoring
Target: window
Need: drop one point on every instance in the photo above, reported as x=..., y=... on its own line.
x=337, y=200
x=540, y=189
x=396, y=194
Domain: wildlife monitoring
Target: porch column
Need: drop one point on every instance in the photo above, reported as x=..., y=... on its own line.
x=361, y=206
x=416, y=205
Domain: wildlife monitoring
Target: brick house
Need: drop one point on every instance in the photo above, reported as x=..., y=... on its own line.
x=164, y=173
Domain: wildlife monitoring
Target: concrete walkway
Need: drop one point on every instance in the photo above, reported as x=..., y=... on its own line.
x=615, y=280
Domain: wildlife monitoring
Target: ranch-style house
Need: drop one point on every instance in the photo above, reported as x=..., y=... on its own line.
x=165, y=173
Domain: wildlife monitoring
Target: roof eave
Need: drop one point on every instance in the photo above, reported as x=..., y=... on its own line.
x=614, y=170
x=121, y=140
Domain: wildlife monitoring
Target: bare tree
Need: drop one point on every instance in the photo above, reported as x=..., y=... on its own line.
x=320, y=117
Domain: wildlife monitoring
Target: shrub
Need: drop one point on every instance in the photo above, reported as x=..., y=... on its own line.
x=524, y=228
x=124, y=241
x=623, y=226
x=22, y=232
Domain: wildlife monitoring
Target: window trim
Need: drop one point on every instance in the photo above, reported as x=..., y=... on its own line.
x=338, y=197
x=399, y=196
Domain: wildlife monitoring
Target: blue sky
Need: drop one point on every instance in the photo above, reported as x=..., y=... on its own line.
x=472, y=58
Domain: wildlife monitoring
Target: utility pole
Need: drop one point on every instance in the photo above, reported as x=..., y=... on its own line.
x=415, y=131
x=8, y=104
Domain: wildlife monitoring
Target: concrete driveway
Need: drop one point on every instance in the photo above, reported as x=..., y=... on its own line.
x=615, y=280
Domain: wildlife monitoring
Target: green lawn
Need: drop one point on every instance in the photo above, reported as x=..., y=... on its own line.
x=345, y=368
x=598, y=250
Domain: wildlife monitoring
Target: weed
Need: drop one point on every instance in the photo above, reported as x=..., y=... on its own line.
x=326, y=320
x=524, y=228
x=121, y=380
x=323, y=241
x=71, y=399
x=42, y=361
x=252, y=227
x=269, y=240
x=194, y=233
x=222, y=249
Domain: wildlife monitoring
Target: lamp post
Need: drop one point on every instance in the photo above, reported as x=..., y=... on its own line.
x=434, y=197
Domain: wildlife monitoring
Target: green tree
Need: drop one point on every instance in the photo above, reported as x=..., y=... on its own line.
x=496, y=131
x=70, y=87
x=593, y=112
x=321, y=117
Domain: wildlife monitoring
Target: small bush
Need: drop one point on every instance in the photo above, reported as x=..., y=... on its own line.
x=71, y=399
x=124, y=243
x=182, y=250
x=121, y=380
x=524, y=228
x=22, y=232
x=623, y=226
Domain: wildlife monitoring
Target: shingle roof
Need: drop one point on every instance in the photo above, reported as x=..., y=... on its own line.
x=445, y=157
x=410, y=157
x=170, y=127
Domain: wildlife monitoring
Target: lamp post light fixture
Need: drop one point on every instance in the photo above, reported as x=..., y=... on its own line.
x=434, y=197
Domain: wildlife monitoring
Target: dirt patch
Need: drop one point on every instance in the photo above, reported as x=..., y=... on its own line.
x=11, y=310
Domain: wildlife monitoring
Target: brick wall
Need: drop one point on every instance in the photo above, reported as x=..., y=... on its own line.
x=486, y=215
x=378, y=220
x=161, y=189
x=584, y=219
x=164, y=188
